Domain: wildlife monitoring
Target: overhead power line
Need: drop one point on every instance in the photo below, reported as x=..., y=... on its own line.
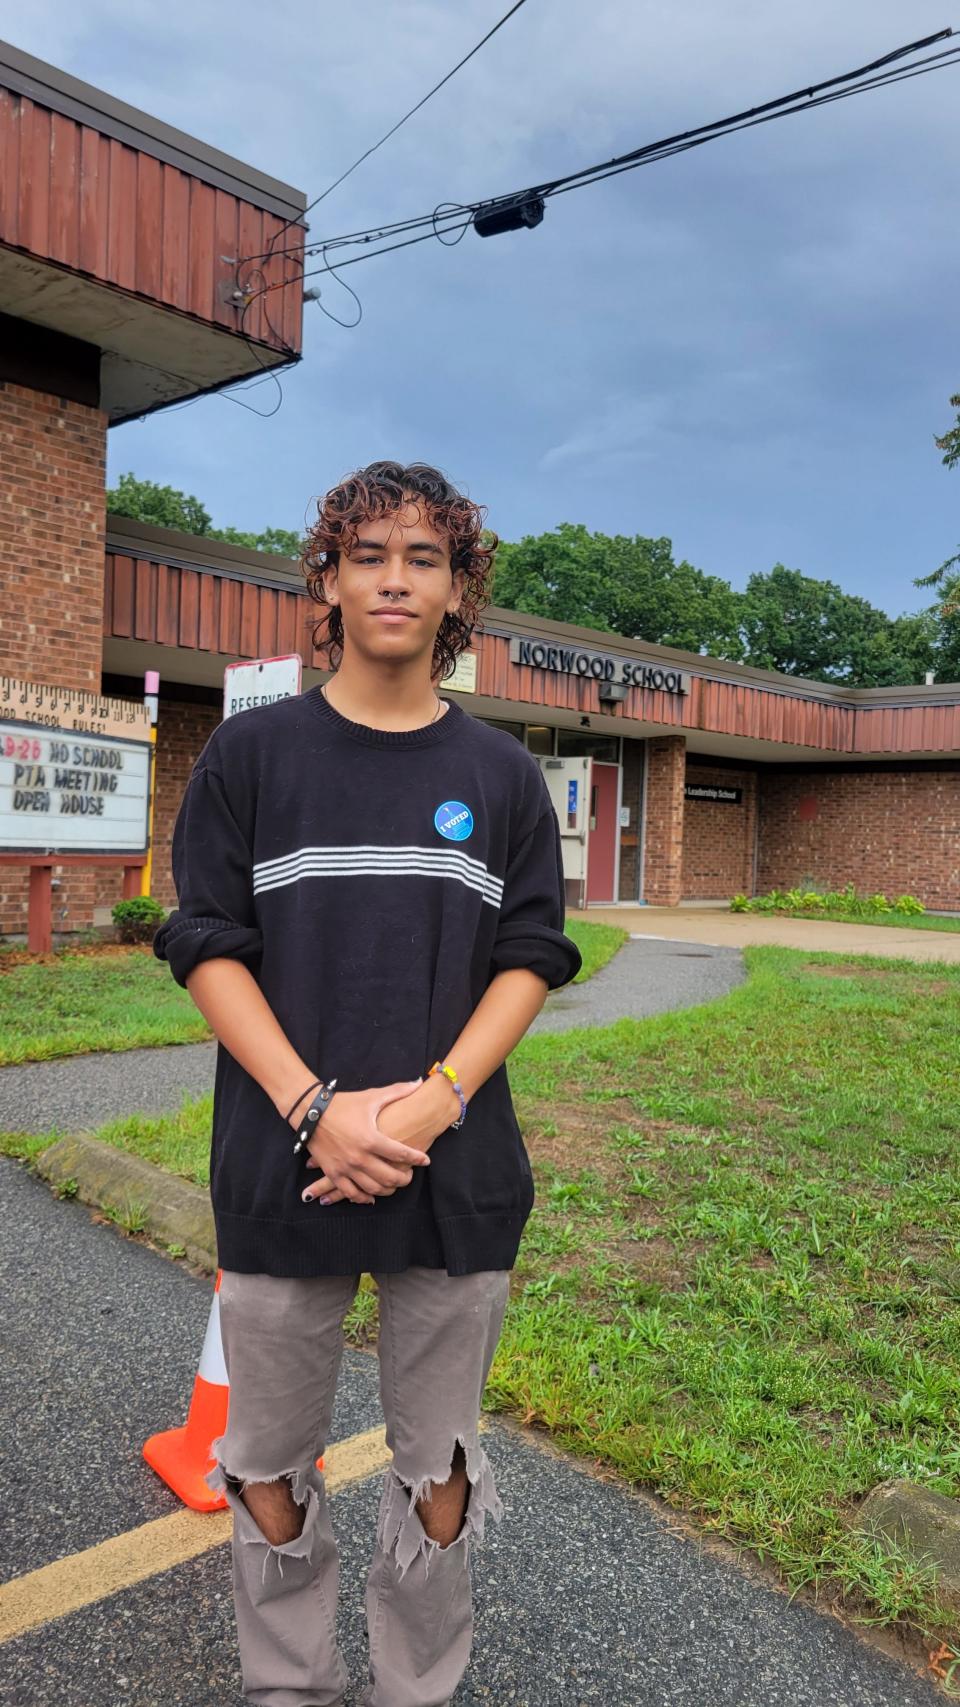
x=450, y=221
x=394, y=128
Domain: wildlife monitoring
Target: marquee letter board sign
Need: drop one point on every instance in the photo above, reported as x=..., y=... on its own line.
x=74, y=771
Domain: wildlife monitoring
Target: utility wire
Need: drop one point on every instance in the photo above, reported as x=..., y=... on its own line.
x=391, y=132
x=935, y=62
x=886, y=68
x=456, y=218
x=737, y=120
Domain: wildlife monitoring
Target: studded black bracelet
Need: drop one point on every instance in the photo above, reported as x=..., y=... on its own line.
x=318, y=1106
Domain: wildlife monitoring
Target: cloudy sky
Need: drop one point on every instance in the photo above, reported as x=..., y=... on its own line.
x=747, y=348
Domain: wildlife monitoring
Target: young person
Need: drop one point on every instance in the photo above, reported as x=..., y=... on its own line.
x=370, y=915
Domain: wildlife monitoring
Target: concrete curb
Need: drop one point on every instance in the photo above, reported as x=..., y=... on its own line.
x=174, y=1211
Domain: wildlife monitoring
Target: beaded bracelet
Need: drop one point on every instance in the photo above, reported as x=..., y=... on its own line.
x=451, y=1074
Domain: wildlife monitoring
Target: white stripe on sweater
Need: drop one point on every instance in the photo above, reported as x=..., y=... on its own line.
x=369, y=860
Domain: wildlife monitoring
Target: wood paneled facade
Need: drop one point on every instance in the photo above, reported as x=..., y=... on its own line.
x=89, y=202
x=830, y=784
x=175, y=267
x=252, y=606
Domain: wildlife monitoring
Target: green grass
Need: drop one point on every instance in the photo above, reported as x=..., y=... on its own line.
x=597, y=943
x=75, y=1003
x=179, y=1142
x=740, y=1285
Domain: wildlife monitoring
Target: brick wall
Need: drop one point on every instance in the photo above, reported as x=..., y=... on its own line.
x=182, y=729
x=718, y=838
x=895, y=831
x=663, y=854
x=52, y=522
x=632, y=796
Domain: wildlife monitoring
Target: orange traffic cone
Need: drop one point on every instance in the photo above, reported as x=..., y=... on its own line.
x=182, y=1456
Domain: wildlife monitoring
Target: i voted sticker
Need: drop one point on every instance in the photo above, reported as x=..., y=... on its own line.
x=454, y=820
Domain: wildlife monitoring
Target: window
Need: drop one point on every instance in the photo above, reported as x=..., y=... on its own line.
x=540, y=739
x=572, y=743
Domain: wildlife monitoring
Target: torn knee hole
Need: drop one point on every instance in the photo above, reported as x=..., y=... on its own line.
x=457, y=1464
x=285, y=1530
x=401, y=1529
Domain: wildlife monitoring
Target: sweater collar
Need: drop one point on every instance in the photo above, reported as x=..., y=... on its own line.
x=427, y=736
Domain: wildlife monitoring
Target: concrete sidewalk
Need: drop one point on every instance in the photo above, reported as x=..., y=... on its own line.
x=722, y=929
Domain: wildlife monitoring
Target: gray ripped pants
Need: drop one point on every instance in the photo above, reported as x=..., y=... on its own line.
x=282, y=1342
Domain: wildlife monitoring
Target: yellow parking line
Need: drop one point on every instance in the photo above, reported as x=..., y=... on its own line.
x=82, y=1578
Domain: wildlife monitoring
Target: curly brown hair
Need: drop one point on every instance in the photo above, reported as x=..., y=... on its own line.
x=377, y=490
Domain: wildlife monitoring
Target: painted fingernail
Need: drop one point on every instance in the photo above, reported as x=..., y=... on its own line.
x=323, y=1200
x=307, y=1196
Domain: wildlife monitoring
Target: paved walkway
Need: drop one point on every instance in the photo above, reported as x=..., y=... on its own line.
x=644, y=978
x=723, y=929
x=84, y=1091
x=587, y=1595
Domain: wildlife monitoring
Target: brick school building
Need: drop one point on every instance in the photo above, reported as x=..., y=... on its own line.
x=675, y=777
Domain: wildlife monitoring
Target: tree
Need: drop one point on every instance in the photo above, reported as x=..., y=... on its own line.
x=161, y=506
x=946, y=579
x=618, y=585
x=165, y=507
x=806, y=627
x=950, y=443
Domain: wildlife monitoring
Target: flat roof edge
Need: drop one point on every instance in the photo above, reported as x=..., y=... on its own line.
x=51, y=87
x=132, y=538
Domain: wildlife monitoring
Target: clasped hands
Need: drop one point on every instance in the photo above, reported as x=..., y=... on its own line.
x=368, y=1143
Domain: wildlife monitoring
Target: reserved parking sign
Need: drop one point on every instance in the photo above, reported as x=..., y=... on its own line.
x=261, y=681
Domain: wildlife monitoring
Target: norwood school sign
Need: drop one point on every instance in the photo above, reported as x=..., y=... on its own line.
x=600, y=666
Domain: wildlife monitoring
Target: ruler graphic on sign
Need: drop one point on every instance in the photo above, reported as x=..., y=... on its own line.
x=72, y=708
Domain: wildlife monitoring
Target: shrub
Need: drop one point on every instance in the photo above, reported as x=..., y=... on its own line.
x=846, y=902
x=137, y=919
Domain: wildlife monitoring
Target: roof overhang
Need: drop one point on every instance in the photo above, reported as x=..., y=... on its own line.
x=149, y=356
x=129, y=238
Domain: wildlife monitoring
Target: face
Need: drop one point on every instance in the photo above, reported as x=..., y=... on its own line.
x=399, y=565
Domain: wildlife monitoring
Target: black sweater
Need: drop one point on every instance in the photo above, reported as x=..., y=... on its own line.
x=374, y=882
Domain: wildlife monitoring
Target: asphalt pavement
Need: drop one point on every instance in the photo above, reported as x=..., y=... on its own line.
x=84, y=1091
x=585, y=1592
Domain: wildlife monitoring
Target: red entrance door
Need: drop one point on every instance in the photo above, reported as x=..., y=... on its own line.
x=602, y=832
